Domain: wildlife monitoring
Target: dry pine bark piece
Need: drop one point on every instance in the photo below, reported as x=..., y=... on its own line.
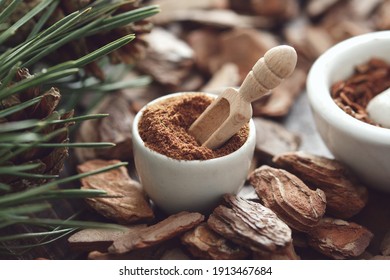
x=318, y=7
x=281, y=10
x=273, y=139
x=169, y=59
x=285, y=194
x=168, y=5
x=130, y=206
x=339, y=239
x=279, y=103
x=309, y=41
x=231, y=48
x=206, y=48
x=214, y=49
x=225, y=77
x=287, y=254
x=176, y=253
x=151, y=253
x=116, y=128
x=217, y=18
x=157, y=233
x=382, y=20
x=385, y=245
x=380, y=257
x=204, y=243
x=344, y=194
x=251, y=225
x=98, y=239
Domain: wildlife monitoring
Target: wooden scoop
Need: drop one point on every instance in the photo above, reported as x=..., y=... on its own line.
x=232, y=109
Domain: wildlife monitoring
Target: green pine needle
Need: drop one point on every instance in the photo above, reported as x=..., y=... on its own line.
x=10, y=75
x=23, y=210
x=32, y=235
x=17, y=125
x=36, y=80
x=43, y=19
x=68, y=224
x=125, y=18
x=20, y=250
x=8, y=10
x=22, y=197
x=4, y=187
x=33, y=144
x=28, y=124
x=18, y=168
x=16, y=108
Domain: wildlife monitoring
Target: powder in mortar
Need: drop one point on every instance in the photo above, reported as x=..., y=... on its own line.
x=163, y=127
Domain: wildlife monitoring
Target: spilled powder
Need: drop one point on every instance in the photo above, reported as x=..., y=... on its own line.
x=163, y=128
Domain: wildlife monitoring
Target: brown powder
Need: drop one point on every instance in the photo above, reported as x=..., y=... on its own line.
x=163, y=127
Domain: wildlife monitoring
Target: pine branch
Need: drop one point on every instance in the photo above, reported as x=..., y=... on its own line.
x=20, y=136
x=14, y=207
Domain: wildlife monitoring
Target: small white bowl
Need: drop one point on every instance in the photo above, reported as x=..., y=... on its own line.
x=190, y=185
x=363, y=147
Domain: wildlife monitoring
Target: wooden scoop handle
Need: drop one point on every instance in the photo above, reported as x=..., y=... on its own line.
x=268, y=72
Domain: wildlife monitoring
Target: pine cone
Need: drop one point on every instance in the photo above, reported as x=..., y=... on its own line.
x=51, y=160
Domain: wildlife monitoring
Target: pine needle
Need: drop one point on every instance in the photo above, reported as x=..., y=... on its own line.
x=43, y=19
x=125, y=18
x=16, y=108
x=18, y=168
x=22, y=197
x=36, y=80
x=4, y=187
x=33, y=235
x=33, y=144
x=11, y=74
x=28, y=124
x=23, y=209
x=8, y=10
x=66, y=223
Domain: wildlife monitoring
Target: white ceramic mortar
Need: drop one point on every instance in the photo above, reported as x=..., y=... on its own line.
x=363, y=147
x=190, y=185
